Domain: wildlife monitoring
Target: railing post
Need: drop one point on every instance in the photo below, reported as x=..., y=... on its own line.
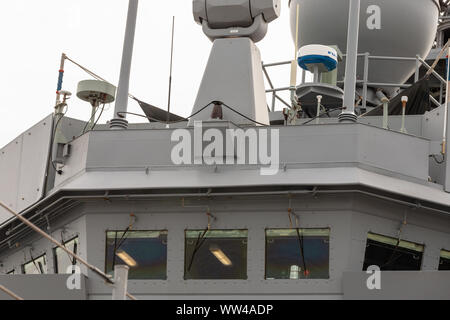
x=418, y=64
x=120, y=282
x=274, y=97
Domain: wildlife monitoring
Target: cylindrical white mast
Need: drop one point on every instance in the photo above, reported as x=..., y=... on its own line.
x=348, y=114
x=119, y=121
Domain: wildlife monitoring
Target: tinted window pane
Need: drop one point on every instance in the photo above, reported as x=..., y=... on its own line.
x=37, y=266
x=284, y=259
x=145, y=252
x=62, y=260
x=444, y=264
x=216, y=254
x=389, y=255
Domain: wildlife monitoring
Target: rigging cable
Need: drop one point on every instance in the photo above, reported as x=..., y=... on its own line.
x=120, y=114
x=322, y=114
x=434, y=157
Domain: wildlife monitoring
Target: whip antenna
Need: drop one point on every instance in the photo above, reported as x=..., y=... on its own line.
x=171, y=68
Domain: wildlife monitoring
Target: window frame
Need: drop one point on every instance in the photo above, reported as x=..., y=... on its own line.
x=392, y=241
x=214, y=230
x=166, y=231
x=301, y=230
x=444, y=254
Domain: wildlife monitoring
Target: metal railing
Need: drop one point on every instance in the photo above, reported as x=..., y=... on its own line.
x=365, y=82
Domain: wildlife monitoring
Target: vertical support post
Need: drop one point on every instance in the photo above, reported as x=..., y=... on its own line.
x=418, y=64
x=316, y=74
x=348, y=114
x=294, y=63
x=171, y=68
x=385, y=115
x=404, y=103
x=366, y=79
x=446, y=137
x=385, y=101
x=119, y=121
x=319, y=104
x=120, y=282
x=274, y=98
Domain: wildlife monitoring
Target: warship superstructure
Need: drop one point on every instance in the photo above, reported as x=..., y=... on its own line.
x=341, y=192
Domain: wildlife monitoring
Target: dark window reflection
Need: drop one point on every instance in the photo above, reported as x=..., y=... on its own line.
x=297, y=254
x=391, y=255
x=216, y=254
x=145, y=252
x=444, y=263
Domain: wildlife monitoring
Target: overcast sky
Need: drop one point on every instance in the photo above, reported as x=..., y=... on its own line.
x=35, y=33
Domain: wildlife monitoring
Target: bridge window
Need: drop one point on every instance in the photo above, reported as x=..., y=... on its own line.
x=63, y=261
x=216, y=254
x=36, y=266
x=444, y=264
x=297, y=254
x=145, y=252
x=390, y=254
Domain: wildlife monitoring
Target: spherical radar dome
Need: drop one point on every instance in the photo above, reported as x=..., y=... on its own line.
x=407, y=28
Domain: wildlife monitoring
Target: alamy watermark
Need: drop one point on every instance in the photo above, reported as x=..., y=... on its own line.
x=74, y=280
x=251, y=146
x=374, y=20
x=374, y=280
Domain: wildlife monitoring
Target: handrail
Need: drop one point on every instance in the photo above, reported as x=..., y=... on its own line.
x=365, y=82
x=10, y=293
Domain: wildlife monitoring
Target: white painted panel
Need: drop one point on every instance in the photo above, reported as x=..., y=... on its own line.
x=22, y=168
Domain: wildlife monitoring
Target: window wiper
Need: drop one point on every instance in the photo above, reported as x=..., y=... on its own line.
x=302, y=250
x=121, y=242
x=41, y=268
x=200, y=241
x=35, y=264
x=75, y=247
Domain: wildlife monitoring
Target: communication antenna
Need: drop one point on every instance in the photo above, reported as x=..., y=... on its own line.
x=171, y=68
x=96, y=93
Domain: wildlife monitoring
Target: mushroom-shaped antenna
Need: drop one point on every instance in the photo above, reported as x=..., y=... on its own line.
x=96, y=92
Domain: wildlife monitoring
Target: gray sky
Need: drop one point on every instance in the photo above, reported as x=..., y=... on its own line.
x=35, y=33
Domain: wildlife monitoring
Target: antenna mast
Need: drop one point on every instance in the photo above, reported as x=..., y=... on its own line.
x=171, y=70
x=120, y=122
